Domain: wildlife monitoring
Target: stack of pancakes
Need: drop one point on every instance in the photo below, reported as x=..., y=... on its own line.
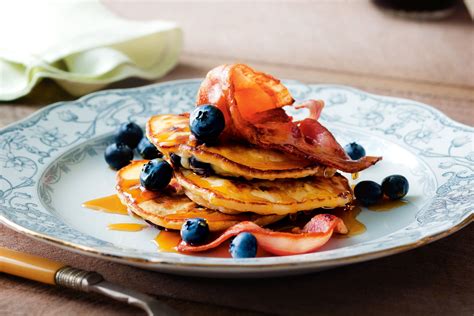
x=229, y=182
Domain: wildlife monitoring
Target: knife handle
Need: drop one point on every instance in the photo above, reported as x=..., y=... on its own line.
x=28, y=266
x=45, y=270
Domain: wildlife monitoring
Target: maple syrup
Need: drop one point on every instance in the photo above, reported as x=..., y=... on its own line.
x=387, y=205
x=167, y=241
x=136, y=192
x=108, y=204
x=128, y=227
x=112, y=203
x=140, y=195
x=349, y=217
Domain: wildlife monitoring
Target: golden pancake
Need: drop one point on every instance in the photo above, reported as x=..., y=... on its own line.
x=170, y=208
x=171, y=134
x=281, y=197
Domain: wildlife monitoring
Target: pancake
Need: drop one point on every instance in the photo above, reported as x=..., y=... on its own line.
x=171, y=208
x=171, y=134
x=281, y=197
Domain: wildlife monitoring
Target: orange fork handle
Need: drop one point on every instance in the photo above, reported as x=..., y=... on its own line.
x=28, y=266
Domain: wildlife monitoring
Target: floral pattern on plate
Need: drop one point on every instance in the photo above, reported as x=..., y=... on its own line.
x=38, y=151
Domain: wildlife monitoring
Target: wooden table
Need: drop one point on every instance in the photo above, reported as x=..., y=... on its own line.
x=321, y=42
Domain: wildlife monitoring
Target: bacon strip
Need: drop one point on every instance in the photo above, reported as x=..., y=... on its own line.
x=256, y=121
x=315, y=108
x=313, y=236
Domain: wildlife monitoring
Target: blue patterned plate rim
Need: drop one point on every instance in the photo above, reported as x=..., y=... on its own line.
x=450, y=209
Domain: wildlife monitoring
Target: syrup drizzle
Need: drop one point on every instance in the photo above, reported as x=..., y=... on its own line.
x=108, y=204
x=133, y=189
x=349, y=217
x=128, y=227
x=387, y=205
x=167, y=241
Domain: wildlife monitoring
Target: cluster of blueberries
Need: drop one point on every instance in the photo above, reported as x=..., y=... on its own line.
x=369, y=193
x=207, y=123
x=156, y=174
x=128, y=137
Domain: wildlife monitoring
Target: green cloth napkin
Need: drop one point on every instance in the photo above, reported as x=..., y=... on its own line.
x=79, y=44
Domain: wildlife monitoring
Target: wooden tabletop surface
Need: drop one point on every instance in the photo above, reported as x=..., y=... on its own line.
x=344, y=42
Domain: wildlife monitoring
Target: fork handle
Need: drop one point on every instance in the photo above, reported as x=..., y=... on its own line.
x=29, y=266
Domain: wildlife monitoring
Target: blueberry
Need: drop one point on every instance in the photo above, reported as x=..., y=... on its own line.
x=195, y=231
x=175, y=160
x=354, y=150
x=243, y=246
x=156, y=175
x=395, y=186
x=129, y=134
x=199, y=167
x=118, y=155
x=207, y=123
x=147, y=150
x=368, y=192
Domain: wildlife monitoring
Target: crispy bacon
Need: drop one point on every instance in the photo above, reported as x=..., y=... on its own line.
x=312, y=237
x=252, y=105
x=314, y=106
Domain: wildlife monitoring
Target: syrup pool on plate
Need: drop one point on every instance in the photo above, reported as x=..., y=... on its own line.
x=349, y=217
x=387, y=205
x=108, y=204
x=128, y=227
x=112, y=203
x=167, y=241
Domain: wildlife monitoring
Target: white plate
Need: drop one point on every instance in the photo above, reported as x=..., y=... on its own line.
x=52, y=161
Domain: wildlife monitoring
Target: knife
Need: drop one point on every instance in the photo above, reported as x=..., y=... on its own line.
x=56, y=273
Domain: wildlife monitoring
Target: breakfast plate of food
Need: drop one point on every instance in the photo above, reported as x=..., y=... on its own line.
x=237, y=174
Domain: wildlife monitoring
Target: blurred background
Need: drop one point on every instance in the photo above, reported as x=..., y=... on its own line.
x=356, y=37
x=421, y=50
